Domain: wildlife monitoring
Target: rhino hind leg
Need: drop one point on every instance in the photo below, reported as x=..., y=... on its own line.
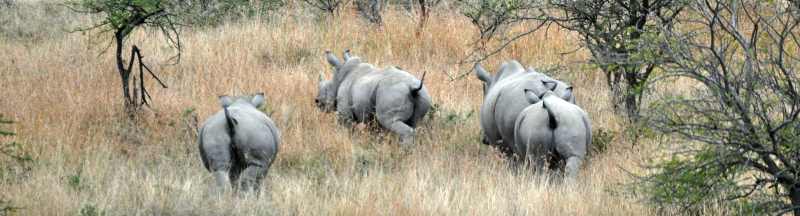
x=572, y=167
x=251, y=178
x=405, y=132
x=222, y=180
x=255, y=167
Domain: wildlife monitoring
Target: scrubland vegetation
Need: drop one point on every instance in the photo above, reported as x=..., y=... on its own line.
x=76, y=152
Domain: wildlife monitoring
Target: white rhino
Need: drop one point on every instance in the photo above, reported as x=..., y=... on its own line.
x=504, y=99
x=552, y=131
x=239, y=143
x=360, y=92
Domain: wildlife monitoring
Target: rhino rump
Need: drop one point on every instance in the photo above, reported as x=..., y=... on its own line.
x=244, y=154
x=553, y=130
x=383, y=94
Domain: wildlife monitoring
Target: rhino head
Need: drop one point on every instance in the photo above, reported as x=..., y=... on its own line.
x=325, y=99
x=326, y=94
x=256, y=100
x=559, y=89
x=554, y=87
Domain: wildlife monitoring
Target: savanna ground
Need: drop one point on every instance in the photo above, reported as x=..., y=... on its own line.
x=63, y=93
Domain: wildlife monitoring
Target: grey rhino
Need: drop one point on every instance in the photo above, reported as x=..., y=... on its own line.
x=360, y=92
x=552, y=131
x=239, y=143
x=504, y=99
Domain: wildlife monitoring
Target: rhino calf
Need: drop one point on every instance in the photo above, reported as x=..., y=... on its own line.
x=552, y=131
x=360, y=92
x=239, y=143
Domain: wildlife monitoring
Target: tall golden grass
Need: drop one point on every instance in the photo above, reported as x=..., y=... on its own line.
x=64, y=94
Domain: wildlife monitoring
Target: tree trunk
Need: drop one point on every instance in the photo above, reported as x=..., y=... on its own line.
x=794, y=195
x=632, y=93
x=423, y=8
x=124, y=75
x=632, y=106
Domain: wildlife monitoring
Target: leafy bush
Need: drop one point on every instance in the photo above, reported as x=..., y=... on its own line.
x=601, y=139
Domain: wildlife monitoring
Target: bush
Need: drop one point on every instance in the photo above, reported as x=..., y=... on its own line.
x=738, y=131
x=601, y=140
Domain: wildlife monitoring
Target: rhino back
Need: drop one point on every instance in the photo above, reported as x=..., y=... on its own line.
x=491, y=107
x=509, y=100
x=509, y=69
x=344, y=96
x=362, y=94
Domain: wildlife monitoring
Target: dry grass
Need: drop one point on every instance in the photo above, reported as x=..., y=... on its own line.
x=88, y=158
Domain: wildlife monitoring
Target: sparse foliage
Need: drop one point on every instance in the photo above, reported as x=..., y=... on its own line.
x=739, y=130
x=492, y=17
x=371, y=10
x=215, y=12
x=122, y=17
x=619, y=35
x=331, y=7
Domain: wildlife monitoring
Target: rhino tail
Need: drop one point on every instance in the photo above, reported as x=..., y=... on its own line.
x=230, y=122
x=415, y=90
x=551, y=119
x=230, y=125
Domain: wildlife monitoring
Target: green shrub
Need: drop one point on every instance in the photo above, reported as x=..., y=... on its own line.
x=601, y=139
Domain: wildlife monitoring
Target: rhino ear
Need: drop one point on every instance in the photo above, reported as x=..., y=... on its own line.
x=550, y=84
x=225, y=100
x=531, y=96
x=332, y=59
x=568, y=94
x=258, y=99
x=346, y=55
x=482, y=74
